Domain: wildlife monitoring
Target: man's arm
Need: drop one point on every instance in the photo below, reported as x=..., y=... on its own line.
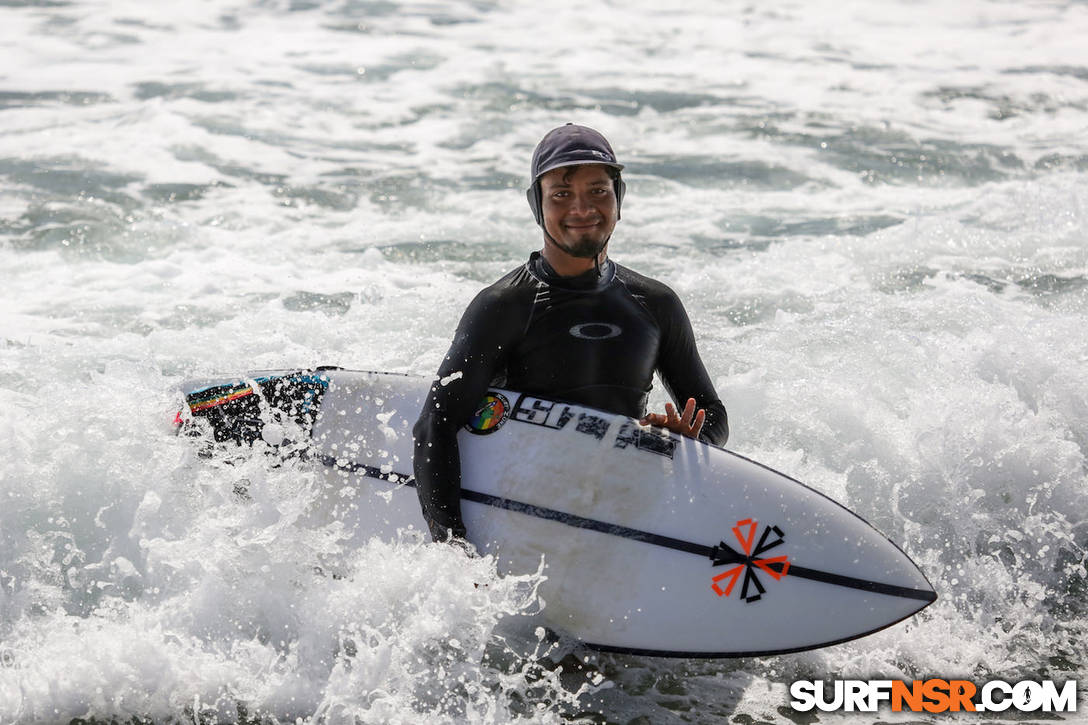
x=462, y=381
x=684, y=375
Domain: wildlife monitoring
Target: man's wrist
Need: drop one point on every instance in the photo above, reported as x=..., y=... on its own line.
x=443, y=531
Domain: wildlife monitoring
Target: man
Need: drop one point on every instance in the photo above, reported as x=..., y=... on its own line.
x=569, y=324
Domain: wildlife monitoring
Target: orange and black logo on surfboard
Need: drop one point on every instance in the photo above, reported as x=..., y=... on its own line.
x=750, y=562
x=490, y=414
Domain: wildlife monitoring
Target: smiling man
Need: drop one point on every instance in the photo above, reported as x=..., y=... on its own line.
x=569, y=324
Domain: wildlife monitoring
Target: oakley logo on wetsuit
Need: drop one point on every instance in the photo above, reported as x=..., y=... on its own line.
x=595, y=331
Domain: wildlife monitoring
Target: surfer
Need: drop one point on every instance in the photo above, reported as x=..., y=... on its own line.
x=569, y=324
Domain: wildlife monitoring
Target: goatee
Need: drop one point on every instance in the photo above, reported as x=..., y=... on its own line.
x=584, y=248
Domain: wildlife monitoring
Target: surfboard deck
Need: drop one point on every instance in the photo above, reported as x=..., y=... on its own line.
x=652, y=543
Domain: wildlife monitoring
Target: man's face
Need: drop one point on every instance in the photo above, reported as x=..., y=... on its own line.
x=580, y=210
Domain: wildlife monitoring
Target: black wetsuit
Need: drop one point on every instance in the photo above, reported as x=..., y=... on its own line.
x=592, y=340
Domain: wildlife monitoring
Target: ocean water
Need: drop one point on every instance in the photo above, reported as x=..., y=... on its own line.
x=875, y=212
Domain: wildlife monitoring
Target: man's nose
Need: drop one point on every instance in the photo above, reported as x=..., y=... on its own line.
x=580, y=204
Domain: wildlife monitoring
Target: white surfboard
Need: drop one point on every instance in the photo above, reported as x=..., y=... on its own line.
x=652, y=543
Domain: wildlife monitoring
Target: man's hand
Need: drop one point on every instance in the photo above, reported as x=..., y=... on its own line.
x=689, y=424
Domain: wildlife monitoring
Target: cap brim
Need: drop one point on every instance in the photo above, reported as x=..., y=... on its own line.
x=578, y=162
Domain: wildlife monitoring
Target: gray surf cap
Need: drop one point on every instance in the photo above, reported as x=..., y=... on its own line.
x=569, y=145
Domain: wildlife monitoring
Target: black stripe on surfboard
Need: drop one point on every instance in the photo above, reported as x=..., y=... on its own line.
x=581, y=522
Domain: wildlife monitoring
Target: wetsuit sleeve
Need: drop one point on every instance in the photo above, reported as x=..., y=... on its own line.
x=683, y=373
x=477, y=351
